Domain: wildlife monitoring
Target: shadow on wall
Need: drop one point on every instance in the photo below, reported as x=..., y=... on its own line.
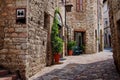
x=103, y=70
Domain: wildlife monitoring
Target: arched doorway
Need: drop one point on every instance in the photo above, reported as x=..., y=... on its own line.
x=48, y=27
x=60, y=28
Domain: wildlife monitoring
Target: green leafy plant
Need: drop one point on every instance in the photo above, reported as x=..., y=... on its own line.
x=56, y=41
x=82, y=47
x=57, y=45
x=71, y=44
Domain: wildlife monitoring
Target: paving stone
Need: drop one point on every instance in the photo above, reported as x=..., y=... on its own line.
x=98, y=79
x=94, y=75
x=97, y=70
x=55, y=78
x=83, y=77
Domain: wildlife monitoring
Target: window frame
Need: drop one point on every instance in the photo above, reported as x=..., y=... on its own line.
x=79, y=5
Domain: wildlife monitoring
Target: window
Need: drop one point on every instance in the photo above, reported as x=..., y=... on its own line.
x=105, y=22
x=46, y=20
x=96, y=34
x=79, y=5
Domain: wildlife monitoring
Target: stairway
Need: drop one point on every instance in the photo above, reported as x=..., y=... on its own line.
x=6, y=75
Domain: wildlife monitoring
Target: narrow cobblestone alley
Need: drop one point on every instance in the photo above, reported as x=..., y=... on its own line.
x=98, y=66
x=59, y=39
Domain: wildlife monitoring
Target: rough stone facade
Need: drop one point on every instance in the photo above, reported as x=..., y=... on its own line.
x=107, y=31
x=114, y=14
x=14, y=48
x=23, y=47
x=37, y=38
x=86, y=21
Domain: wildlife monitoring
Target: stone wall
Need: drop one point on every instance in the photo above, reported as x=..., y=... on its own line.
x=12, y=54
x=107, y=31
x=37, y=38
x=39, y=35
x=1, y=25
x=85, y=20
x=50, y=6
x=114, y=14
x=24, y=45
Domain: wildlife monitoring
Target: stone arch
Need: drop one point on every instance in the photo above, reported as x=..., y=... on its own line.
x=60, y=24
x=48, y=27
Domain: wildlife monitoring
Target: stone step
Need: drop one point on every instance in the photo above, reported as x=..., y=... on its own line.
x=9, y=77
x=3, y=72
x=6, y=78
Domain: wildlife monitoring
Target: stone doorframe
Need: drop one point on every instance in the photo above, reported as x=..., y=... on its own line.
x=48, y=46
x=101, y=41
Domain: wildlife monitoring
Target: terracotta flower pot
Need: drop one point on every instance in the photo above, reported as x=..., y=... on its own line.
x=70, y=52
x=56, y=58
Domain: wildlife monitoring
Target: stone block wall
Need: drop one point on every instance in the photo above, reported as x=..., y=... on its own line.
x=85, y=20
x=12, y=54
x=114, y=14
x=49, y=9
x=2, y=3
x=37, y=38
x=23, y=46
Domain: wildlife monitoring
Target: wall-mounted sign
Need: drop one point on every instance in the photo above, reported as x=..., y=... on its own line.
x=21, y=15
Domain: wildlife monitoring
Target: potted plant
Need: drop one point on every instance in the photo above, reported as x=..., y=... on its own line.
x=57, y=48
x=70, y=46
x=82, y=47
x=56, y=41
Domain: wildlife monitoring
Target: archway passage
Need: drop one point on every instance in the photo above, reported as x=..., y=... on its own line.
x=48, y=27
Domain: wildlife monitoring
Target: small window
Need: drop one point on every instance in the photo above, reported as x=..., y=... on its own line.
x=46, y=20
x=96, y=34
x=21, y=16
x=79, y=5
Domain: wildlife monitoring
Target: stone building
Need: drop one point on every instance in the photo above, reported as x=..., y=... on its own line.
x=25, y=27
x=85, y=24
x=114, y=14
x=107, y=32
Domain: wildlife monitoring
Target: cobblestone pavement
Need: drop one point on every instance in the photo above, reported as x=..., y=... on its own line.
x=98, y=66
